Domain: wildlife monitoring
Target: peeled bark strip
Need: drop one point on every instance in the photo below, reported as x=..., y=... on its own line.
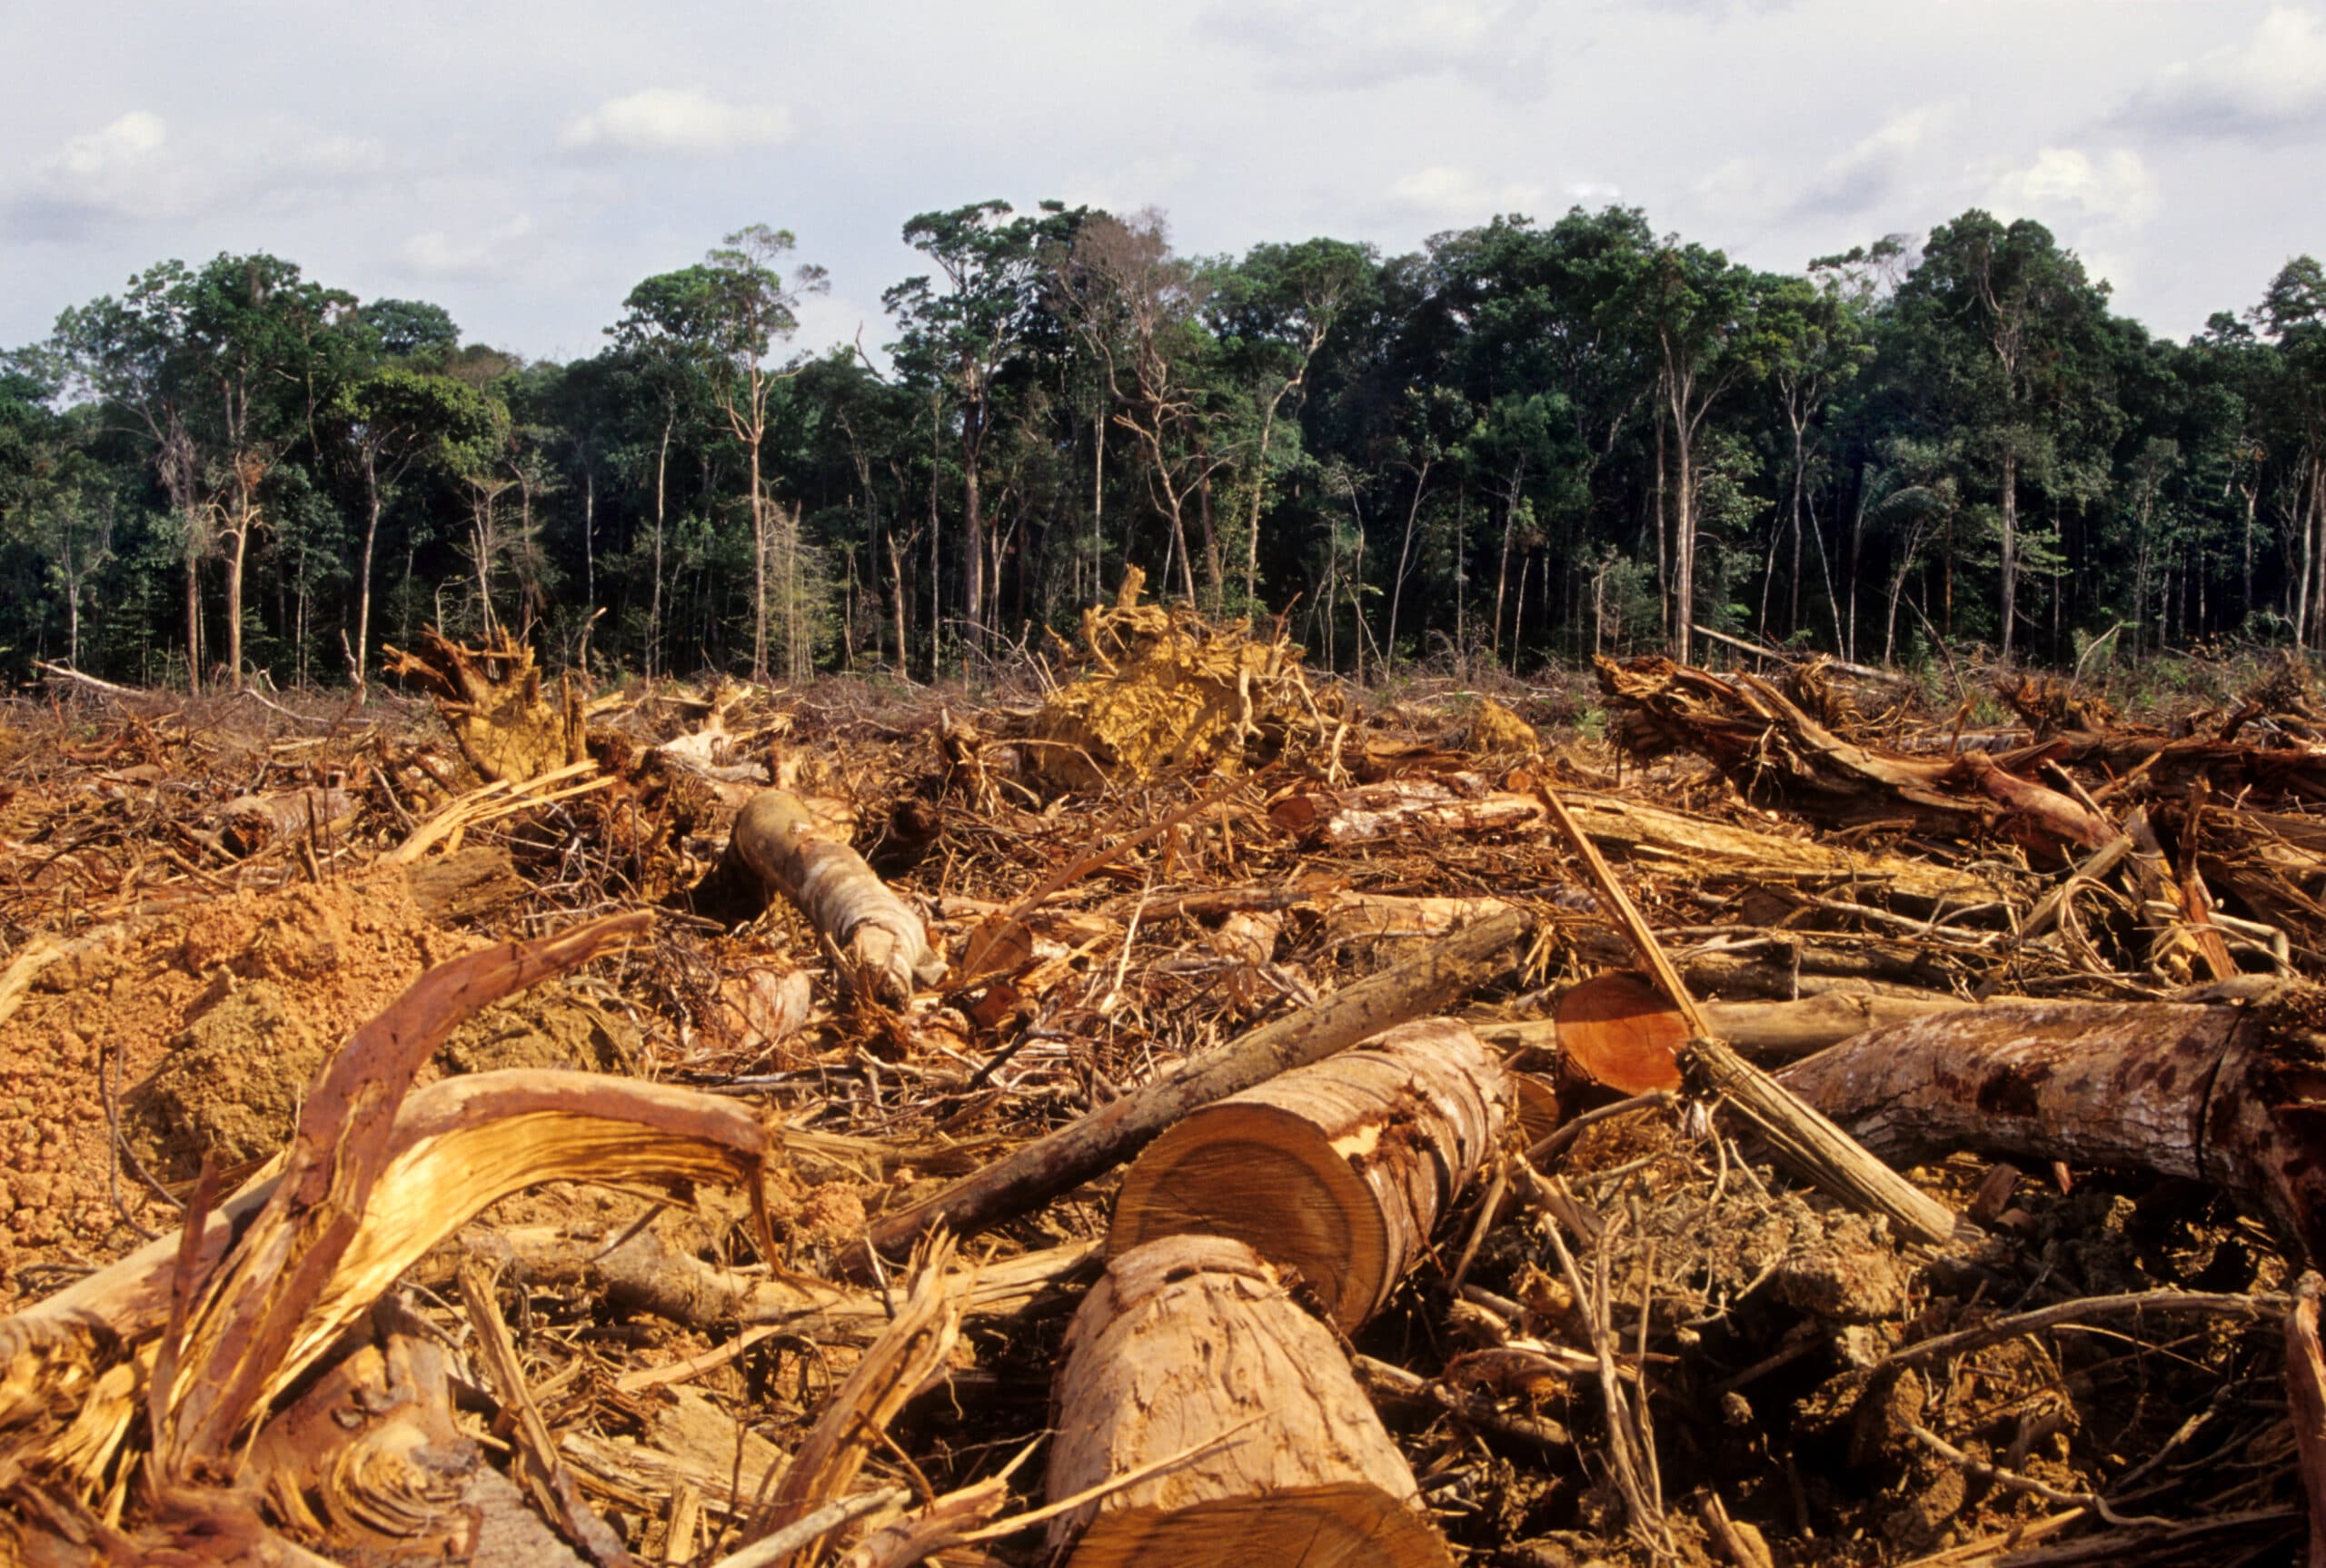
x=1339, y=1171
x=1444, y=973
x=841, y=895
x=1192, y=1338
x=2213, y=1093
x=2306, y=1400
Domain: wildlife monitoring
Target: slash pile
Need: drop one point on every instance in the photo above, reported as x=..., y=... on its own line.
x=1204, y=1115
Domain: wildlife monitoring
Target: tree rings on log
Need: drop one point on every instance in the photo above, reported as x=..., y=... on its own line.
x=1619, y=1031
x=1338, y=1170
x=1193, y=1340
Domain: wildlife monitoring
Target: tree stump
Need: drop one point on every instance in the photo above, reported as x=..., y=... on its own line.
x=1339, y=1170
x=1193, y=1338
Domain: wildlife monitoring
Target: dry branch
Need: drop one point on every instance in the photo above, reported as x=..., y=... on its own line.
x=1777, y=753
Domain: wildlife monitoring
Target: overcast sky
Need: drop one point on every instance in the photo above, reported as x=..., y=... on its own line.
x=524, y=164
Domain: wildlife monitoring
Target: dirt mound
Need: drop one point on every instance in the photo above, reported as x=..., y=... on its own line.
x=201, y=1029
x=1163, y=687
x=558, y=1027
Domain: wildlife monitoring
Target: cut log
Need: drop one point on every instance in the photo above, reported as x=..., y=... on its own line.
x=1397, y=807
x=1339, y=1171
x=1193, y=1339
x=841, y=895
x=1787, y=1030
x=1619, y=1031
x=1443, y=974
x=2213, y=1093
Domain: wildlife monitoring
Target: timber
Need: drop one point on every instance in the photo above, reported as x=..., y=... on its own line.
x=2215, y=1092
x=1194, y=1340
x=843, y=897
x=1339, y=1171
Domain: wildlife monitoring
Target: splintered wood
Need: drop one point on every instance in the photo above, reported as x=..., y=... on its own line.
x=1181, y=1111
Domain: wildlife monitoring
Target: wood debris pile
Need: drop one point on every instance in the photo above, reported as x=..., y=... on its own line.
x=724, y=1127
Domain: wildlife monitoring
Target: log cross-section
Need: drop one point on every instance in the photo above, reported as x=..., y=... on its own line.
x=1339, y=1171
x=1192, y=1343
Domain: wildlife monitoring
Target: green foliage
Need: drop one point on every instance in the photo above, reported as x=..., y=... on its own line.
x=1530, y=440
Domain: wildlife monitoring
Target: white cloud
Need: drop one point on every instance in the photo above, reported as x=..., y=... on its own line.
x=680, y=121
x=468, y=253
x=2271, y=87
x=128, y=142
x=2115, y=191
x=1348, y=45
x=1443, y=191
x=1868, y=173
x=1594, y=193
x=131, y=170
x=121, y=171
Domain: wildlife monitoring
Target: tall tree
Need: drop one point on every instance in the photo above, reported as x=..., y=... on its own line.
x=1272, y=313
x=963, y=334
x=2008, y=327
x=390, y=423
x=1706, y=316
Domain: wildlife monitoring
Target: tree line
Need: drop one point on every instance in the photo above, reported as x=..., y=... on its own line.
x=1523, y=444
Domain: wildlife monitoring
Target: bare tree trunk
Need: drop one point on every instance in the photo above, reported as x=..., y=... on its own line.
x=1259, y=490
x=2010, y=549
x=654, y=599
x=1404, y=553
x=234, y=603
x=759, y=571
x=973, y=514
x=1683, y=531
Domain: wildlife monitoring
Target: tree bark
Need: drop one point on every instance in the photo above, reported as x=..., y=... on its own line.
x=2213, y=1093
x=371, y=506
x=840, y=894
x=1193, y=1339
x=1339, y=1171
x=2010, y=499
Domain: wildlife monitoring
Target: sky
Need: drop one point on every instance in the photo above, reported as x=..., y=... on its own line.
x=524, y=164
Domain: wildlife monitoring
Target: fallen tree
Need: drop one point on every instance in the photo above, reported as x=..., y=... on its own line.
x=2222, y=1094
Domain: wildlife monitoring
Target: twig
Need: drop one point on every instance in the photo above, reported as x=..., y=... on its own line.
x=2212, y=1303
x=778, y=1546
x=2015, y=1482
